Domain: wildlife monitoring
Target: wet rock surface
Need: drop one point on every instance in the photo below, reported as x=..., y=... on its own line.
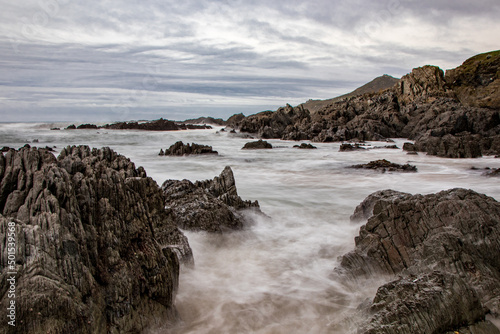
x=96, y=250
x=444, y=248
x=179, y=149
x=305, y=146
x=257, y=145
x=210, y=205
x=384, y=165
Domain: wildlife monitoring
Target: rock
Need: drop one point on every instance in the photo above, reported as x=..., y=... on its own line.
x=463, y=145
x=423, y=83
x=234, y=120
x=211, y=205
x=386, y=166
x=448, y=241
x=162, y=153
x=409, y=147
x=55, y=129
x=492, y=172
x=365, y=209
x=71, y=127
x=96, y=250
x=260, y=144
x=87, y=126
x=5, y=149
x=157, y=125
x=179, y=148
x=350, y=147
x=476, y=82
x=430, y=303
x=305, y=146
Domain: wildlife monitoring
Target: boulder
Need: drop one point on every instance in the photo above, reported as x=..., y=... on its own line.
x=210, y=205
x=444, y=249
x=179, y=148
x=96, y=250
x=255, y=145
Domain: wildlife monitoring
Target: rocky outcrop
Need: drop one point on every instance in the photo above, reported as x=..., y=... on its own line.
x=179, y=148
x=95, y=248
x=444, y=248
x=211, y=205
x=257, y=145
x=425, y=106
x=386, y=166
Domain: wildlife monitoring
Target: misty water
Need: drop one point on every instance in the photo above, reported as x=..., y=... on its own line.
x=274, y=276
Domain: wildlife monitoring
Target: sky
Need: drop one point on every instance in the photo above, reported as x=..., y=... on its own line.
x=63, y=60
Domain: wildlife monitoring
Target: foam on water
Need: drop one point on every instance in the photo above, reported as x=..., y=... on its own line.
x=274, y=276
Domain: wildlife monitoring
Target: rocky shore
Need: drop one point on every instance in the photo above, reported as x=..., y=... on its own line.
x=156, y=125
x=454, y=114
x=180, y=149
x=439, y=254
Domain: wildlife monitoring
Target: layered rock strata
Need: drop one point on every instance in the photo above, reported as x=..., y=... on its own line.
x=95, y=250
x=444, y=248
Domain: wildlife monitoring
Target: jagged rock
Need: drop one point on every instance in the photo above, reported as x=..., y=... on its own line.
x=234, y=120
x=211, y=205
x=157, y=125
x=260, y=144
x=71, y=127
x=96, y=250
x=350, y=147
x=305, y=146
x=454, y=232
x=431, y=303
x=409, y=147
x=386, y=166
x=423, y=83
x=162, y=152
x=179, y=148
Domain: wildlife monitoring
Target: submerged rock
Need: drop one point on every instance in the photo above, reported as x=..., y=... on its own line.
x=179, y=148
x=95, y=248
x=260, y=144
x=386, y=166
x=350, y=147
x=444, y=248
x=210, y=205
x=305, y=146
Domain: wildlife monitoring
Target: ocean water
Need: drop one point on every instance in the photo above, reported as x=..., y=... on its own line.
x=272, y=277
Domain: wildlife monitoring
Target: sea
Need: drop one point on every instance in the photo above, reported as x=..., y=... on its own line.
x=275, y=275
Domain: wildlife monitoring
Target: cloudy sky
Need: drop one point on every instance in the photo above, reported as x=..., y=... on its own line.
x=121, y=60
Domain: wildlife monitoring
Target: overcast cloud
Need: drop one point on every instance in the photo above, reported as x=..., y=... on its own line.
x=105, y=61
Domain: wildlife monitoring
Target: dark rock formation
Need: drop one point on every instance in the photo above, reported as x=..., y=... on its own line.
x=260, y=144
x=71, y=127
x=204, y=121
x=492, y=172
x=87, y=126
x=156, y=125
x=95, y=248
x=305, y=146
x=235, y=120
x=444, y=247
x=386, y=166
x=179, y=148
x=211, y=205
x=458, y=112
x=55, y=129
x=350, y=147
